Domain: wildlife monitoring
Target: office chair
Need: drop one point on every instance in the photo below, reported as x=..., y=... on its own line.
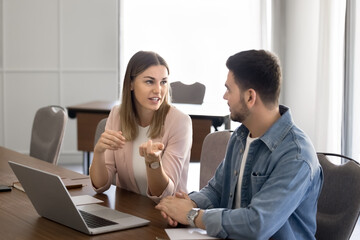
x=47, y=133
x=339, y=201
x=183, y=93
x=100, y=128
x=212, y=154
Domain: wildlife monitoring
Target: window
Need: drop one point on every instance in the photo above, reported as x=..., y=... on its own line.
x=356, y=83
x=194, y=36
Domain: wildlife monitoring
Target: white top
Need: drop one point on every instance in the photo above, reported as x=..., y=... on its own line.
x=139, y=165
x=249, y=140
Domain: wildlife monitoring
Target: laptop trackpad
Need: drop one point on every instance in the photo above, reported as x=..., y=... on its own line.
x=104, y=212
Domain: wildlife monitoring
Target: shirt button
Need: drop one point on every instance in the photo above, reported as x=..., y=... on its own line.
x=230, y=195
x=241, y=150
x=235, y=173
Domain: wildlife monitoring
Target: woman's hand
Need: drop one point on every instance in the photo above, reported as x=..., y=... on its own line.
x=151, y=151
x=111, y=140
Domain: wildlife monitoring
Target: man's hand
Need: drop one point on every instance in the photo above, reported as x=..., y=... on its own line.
x=175, y=208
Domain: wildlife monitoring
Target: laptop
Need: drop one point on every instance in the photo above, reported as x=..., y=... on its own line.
x=51, y=200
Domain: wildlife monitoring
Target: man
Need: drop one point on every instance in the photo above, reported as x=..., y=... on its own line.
x=268, y=185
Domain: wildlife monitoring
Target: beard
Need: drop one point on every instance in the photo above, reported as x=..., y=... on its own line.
x=241, y=114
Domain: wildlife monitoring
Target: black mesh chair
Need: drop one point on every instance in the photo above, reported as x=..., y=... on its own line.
x=339, y=201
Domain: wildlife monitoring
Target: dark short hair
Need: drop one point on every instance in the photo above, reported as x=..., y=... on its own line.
x=259, y=70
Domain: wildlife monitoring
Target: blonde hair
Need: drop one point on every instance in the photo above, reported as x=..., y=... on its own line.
x=129, y=118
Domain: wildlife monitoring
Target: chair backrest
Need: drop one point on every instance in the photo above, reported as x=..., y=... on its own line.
x=184, y=93
x=339, y=201
x=47, y=133
x=212, y=154
x=100, y=128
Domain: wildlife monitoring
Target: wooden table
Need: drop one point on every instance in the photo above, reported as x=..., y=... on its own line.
x=19, y=220
x=89, y=114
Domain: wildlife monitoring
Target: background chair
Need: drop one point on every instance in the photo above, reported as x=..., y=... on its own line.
x=184, y=93
x=212, y=153
x=47, y=133
x=339, y=201
x=100, y=128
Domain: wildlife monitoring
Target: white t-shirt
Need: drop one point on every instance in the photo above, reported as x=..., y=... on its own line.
x=139, y=165
x=249, y=140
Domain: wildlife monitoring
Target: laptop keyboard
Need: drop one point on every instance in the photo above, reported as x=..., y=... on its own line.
x=93, y=221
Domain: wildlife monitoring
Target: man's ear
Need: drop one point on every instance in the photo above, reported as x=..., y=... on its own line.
x=251, y=97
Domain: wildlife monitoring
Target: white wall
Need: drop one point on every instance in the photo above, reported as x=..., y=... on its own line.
x=61, y=52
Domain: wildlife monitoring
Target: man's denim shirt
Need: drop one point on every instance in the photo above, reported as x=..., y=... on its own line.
x=281, y=185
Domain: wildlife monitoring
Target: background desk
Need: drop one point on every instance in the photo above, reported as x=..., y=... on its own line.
x=19, y=220
x=89, y=114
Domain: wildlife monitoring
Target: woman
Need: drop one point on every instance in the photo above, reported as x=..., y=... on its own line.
x=146, y=141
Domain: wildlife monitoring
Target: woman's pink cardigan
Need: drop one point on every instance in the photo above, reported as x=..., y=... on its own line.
x=177, y=138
